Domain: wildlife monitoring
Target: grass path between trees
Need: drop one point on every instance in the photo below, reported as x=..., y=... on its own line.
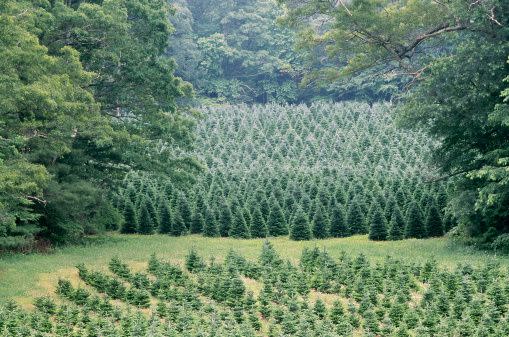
x=23, y=277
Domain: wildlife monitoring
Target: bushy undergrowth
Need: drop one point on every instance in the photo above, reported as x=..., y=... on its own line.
x=343, y=168
x=319, y=296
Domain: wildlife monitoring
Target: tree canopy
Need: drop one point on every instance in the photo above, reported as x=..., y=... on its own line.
x=87, y=95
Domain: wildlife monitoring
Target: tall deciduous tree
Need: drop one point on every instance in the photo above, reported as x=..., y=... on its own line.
x=86, y=96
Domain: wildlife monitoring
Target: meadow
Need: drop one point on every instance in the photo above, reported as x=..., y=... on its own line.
x=24, y=277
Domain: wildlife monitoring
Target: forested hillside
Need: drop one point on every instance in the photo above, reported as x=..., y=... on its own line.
x=333, y=169
x=238, y=52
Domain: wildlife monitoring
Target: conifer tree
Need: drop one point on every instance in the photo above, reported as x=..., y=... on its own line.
x=239, y=228
x=197, y=223
x=130, y=225
x=276, y=222
x=258, y=226
x=165, y=223
x=337, y=312
x=169, y=191
x=145, y=224
x=338, y=226
x=210, y=228
x=184, y=209
x=247, y=216
x=378, y=226
x=397, y=225
x=178, y=227
x=389, y=207
x=355, y=218
x=300, y=226
x=225, y=220
x=199, y=203
x=320, y=223
x=434, y=225
x=414, y=223
x=149, y=204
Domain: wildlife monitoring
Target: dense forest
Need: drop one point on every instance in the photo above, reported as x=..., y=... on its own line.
x=269, y=167
x=108, y=100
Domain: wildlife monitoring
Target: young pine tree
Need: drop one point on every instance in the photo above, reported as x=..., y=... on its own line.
x=239, y=228
x=338, y=226
x=378, y=226
x=210, y=227
x=414, y=224
x=165, y=223
x=225, y=220
x=300, y=226
x=397, y=225
x=130, y=224
x=145, y=224
x=320, y=223
x=434, y=225
x=197, y=222
x=258, y=225
x=276, y=222
x=178, y=227
x=184, y=209
x=355, y=218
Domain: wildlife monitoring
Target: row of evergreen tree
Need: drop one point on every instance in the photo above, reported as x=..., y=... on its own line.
x=321, y=295
x=318, y=191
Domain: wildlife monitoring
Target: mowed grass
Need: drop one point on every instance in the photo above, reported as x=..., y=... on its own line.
x=23, y=277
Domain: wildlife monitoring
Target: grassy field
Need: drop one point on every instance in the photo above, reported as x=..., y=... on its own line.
x=23, y=277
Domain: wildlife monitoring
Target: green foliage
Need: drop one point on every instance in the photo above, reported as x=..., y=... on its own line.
x=258, y=226
x=390, y=297
x=276, y=222
x=320, y=226
x=300, y=226
x=296, y=163
x=86, y=97
x=130, y=224
x=236, y=52
x=338, y=226
x=239, y=229
x=145, y=222
x=355, y=218
x=211, y=228
x=414, y=222
x=178, y=225
x=397, y=225
x=378, y=226
x=165, y=225
x=433, y=222
x=225, y=220
x=197, y=223
x=452, y=59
